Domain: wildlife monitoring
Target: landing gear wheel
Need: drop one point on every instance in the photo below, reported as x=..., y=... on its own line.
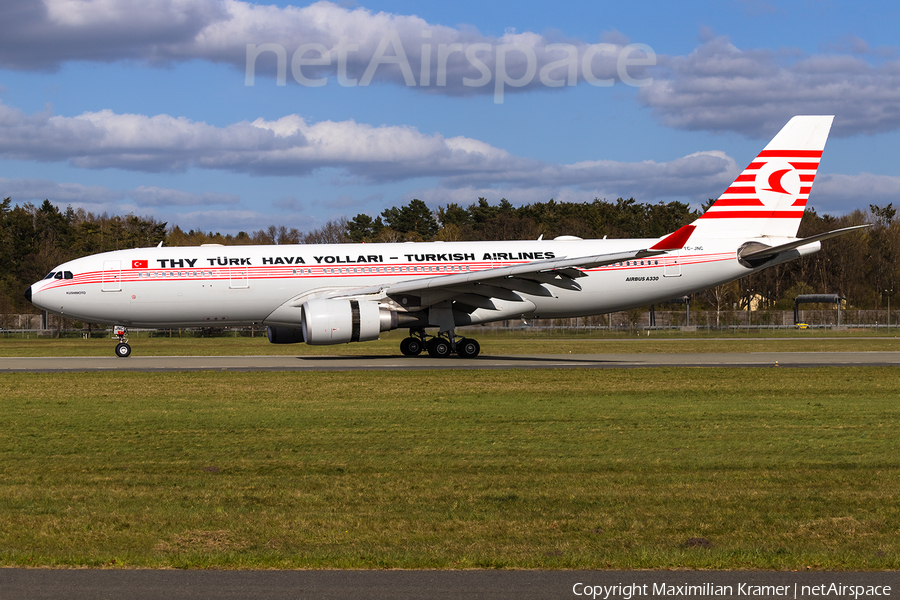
x=438, y=348
x=123, y=350
x=468, y=348
x=411, y=346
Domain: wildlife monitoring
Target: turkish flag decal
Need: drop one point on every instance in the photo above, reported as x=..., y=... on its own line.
x=139, y=264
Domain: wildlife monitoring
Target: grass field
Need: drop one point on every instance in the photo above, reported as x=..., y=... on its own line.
x=641, y=468
x=492, y=344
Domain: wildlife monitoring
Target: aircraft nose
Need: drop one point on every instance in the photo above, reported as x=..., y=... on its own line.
x=28, y=294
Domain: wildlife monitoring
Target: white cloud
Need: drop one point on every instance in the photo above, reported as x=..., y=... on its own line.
x=37, y=190
x=358, y=151
x=156, y=196
x=136, y=142
x=698, y=176
x=389, y=47
x=354, y=151
x=286, y=146
x=840, y=194
x=719, y=87
x=98, y=198
x=43, y=34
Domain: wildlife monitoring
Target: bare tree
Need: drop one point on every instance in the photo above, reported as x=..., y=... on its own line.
x=332, y=232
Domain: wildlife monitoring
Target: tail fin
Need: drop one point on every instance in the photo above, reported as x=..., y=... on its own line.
x=769, y=197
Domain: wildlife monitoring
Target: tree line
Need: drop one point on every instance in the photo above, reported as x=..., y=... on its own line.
x=861, y=267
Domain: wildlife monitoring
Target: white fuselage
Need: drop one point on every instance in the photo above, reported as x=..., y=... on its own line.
x=241, y=285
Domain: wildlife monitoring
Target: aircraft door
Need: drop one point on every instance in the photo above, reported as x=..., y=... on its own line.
x=239, y=277
x=672, y=264
x=112, y=276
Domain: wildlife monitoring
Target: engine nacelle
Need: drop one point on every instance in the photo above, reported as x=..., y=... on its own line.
x=340, y=321
x=284, y=335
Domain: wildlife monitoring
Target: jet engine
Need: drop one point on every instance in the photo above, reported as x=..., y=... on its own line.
x=327, y=322
x=284, y=335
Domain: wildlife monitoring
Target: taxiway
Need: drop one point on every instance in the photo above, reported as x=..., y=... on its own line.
x=374, y=363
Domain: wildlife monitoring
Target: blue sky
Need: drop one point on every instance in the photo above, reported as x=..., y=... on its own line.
x=143, y=106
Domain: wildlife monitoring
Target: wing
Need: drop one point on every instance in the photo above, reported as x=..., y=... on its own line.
x=477, y=289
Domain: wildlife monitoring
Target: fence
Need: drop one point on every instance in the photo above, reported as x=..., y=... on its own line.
x=28, y=325
x=712, y=320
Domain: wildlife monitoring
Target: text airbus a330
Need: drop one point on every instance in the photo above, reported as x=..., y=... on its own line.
x=335, y=294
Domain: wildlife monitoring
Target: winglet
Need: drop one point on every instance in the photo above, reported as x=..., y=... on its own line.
x=675, y=241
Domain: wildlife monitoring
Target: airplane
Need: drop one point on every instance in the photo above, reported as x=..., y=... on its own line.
x=342, y=293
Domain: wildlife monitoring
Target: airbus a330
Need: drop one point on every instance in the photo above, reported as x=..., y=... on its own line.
x=336, y=294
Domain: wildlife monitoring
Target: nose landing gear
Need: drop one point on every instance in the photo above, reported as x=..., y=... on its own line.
x=123, y=350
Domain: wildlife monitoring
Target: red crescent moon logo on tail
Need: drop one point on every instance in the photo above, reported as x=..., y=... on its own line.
x=775, y=181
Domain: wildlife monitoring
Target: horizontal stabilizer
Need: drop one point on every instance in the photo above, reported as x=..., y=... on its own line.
x=763, y=253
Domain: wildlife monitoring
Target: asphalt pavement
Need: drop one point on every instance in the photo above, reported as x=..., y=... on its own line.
x=99, y=584
x=539, y=361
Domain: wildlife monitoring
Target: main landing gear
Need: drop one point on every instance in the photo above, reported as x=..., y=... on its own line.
x=123, y=350
x=439, y=346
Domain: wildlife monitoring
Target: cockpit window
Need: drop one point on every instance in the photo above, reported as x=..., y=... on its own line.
x=60, y=275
